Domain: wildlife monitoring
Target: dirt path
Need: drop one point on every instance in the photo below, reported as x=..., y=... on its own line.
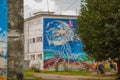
x=68, y=77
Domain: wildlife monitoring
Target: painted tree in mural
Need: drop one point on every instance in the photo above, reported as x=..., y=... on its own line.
x=99, y=29
x=62, y=46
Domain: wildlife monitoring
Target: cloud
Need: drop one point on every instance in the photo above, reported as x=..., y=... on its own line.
x=44, y=6
x=67, y=5
x=27, y=11
x=38, y=1
x=57, y=6
x=30, y=6
x=70, y=12
x=40, y=5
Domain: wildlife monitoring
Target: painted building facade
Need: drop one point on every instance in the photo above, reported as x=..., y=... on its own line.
x=51, y=42
x=3, y=39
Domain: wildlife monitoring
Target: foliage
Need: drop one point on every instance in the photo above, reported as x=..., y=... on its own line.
x=99, y=28
x=36, y=68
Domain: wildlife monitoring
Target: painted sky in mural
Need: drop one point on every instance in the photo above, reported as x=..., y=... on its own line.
x=61, y=40
x=3, y=37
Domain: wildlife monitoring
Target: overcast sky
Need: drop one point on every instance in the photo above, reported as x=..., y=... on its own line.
x=67, y=7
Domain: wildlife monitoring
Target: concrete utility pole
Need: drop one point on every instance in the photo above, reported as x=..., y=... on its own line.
x=15, y=40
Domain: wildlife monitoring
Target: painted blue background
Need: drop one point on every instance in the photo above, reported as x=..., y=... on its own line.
x=76, y=44
x=3, y=15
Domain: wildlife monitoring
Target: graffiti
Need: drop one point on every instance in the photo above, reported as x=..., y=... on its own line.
x=3, y=39
x=62, y=46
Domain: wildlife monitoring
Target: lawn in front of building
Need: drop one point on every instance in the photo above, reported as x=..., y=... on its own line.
x=29, y=74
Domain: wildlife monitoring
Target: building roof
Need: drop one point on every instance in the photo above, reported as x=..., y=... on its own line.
x=48, y=14
x=43, y=12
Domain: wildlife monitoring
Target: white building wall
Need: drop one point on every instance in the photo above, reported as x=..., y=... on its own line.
x=25, y=41
x=33, y=49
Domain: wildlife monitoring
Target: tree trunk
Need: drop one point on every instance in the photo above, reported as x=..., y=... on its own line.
x=118, y=72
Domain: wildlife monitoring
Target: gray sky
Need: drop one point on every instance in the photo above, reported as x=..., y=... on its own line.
x=66, y=7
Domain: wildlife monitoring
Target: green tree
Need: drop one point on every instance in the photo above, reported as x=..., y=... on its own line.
x=99, y=29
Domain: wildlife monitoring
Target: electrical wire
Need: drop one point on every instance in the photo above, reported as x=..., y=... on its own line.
x=70, y=5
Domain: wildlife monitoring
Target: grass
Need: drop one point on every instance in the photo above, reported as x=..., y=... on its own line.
x=30, y=72
x=30, y=75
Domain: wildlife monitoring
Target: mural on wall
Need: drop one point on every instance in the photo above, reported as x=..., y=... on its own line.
x=62, y=46
x=3, y=39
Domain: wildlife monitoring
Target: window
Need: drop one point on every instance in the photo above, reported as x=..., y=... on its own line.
x=32, y=40
x=39, y=56
x=39, y=39
x=33, y=57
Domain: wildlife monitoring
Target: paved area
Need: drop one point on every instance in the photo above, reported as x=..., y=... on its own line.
x=67, y=77
x=28, y=77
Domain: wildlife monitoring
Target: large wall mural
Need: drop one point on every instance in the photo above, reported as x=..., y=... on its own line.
x=62, y=46
x=3, y=39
